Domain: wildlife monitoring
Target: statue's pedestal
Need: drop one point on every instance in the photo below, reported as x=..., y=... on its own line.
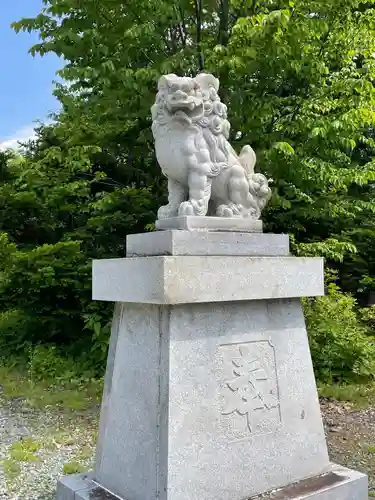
x=210, y=392
x=198, y=223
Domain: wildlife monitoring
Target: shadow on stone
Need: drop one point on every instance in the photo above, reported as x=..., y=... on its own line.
x=311, y=485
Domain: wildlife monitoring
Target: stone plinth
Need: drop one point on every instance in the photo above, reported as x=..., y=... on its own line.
x=339, y=483
x=209, y=391
x=206, y=243
x=183, y=280
x=198, y=223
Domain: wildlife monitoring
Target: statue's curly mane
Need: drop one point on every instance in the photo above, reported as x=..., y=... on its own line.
x=215, y=126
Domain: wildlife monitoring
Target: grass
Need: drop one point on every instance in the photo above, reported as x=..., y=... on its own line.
x=58, y=439
x=360, y=395
x=63, y=400
x=25, y=450
x=21, y=451
x=11, y=469
x=70, y=395
x=73, y=467
x=84, y=454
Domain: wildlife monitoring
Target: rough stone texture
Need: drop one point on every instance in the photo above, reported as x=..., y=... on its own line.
x=108, y=379
x=68, y=486
x=225, y=224
x=175, y=380
x=95, y=493
x=176, y=280
x=206, y=243
x=205, y=175
x=338, y=484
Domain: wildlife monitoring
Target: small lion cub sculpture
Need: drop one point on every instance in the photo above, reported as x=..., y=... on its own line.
x=205, y=175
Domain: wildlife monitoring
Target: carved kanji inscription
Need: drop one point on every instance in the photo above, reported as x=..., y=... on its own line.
x=249, y=389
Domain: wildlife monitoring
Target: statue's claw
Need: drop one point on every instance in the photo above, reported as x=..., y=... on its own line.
x=166, y=211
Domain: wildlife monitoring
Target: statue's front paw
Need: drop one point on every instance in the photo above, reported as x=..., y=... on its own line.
x=194, y=207
x=186, y=208
x=166, y=212
x=224, y=211
x=230, y=210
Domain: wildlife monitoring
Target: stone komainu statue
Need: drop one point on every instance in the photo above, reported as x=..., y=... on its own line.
x=205, y=175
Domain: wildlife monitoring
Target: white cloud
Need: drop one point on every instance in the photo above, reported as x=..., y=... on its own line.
x=22, y=135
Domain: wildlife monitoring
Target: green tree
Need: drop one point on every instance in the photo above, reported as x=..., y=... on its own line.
x=297, y=76
x=55, y=217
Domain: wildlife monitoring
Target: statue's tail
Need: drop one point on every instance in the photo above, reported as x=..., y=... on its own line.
x=248, y=194
x=248, y=159
x=259, y=191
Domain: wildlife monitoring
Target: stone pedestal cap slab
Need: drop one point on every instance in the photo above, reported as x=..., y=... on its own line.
x=172, y=242
x=178, y=280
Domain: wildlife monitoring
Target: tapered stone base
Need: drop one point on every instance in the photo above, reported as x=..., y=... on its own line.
x=213, y=401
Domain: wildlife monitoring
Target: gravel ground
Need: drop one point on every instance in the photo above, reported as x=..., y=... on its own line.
x=36, y=444
x=351, y=437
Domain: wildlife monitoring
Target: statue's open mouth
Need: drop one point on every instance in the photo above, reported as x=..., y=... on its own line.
x=189, y=108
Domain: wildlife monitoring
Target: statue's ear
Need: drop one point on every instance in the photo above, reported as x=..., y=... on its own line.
x=166, y=80
x=206, y=80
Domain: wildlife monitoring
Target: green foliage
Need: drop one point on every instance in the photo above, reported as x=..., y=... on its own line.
x=46, y=363
x=340, y=343
x=100, y=329
x=298, y=79
x=46, y=247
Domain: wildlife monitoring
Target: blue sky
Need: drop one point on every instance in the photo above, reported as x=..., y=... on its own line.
x=25, y=82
